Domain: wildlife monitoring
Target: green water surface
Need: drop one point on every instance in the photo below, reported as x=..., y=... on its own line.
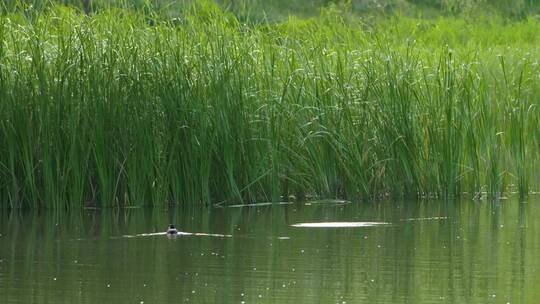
x=466, y=252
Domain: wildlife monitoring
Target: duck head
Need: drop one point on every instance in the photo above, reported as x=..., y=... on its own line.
x=172, y=229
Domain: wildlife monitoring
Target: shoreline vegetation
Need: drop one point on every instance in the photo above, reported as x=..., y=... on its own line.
x=131, y=107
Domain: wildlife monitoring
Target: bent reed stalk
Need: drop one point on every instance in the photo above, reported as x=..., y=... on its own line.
x=114, y=110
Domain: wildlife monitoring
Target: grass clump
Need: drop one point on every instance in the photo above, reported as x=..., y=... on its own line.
x=114, y=110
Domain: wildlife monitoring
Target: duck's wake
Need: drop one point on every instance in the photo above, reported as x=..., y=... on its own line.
x=178, y=234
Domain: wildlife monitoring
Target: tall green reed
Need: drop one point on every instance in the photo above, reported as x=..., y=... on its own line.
x=206, y=109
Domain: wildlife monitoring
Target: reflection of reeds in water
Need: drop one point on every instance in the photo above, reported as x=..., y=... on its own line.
x=208, y=110
x=44, y=261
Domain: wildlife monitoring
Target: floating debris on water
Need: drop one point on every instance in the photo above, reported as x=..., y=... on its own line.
x=426, y=218
x=260, y=204
x=327, y=201
x=339, y=224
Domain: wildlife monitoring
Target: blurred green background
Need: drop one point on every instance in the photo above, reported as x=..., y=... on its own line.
x=276, y=10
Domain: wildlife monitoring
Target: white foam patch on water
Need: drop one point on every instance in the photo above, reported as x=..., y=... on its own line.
x=339, y=224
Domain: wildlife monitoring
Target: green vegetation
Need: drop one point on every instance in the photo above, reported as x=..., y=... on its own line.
x=278, y=10
x=125, y=107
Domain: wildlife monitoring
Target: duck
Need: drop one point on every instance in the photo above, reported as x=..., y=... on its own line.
x=172, y=230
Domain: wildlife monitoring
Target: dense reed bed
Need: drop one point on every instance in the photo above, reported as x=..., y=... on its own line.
x=116, y=109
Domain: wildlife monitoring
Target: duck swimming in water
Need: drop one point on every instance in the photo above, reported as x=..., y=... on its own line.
x=172, y=230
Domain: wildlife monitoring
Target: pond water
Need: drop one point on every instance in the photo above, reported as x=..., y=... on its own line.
x=431, y=252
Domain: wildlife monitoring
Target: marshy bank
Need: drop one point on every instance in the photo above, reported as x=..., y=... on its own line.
x=113, y=109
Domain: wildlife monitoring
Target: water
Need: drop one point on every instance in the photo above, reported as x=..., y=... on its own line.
x=469, y=252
